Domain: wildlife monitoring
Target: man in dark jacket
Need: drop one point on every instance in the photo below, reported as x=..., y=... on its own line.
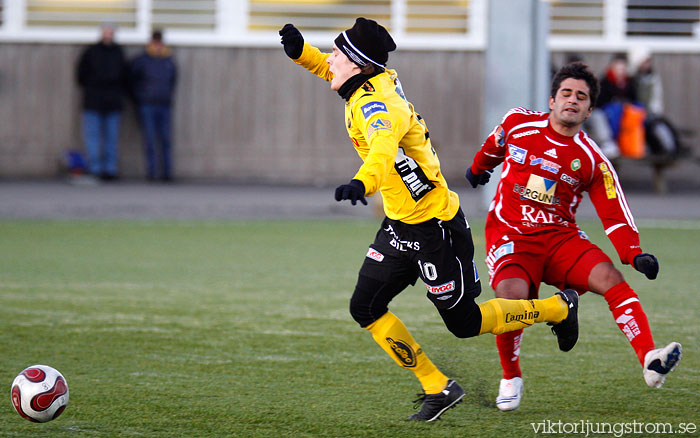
x=102, y=74
x=153, y=76
x=616, y=89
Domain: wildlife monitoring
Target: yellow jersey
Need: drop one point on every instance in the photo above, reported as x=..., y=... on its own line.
x=393, y=141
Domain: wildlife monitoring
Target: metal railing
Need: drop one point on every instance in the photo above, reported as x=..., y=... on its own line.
x=669, y=25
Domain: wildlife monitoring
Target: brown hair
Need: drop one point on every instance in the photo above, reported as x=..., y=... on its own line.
x=577, y=70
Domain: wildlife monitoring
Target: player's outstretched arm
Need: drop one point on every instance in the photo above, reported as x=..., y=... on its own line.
x=303, y=53
x=647, y=264
x=292, y=40
x=490, y=155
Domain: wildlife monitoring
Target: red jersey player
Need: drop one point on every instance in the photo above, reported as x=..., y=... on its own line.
x=531, y=231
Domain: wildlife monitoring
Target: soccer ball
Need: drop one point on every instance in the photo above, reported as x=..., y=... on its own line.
x=39, y=393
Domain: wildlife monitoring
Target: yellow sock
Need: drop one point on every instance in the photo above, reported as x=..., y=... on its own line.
x=393, y=336
x=500, y=315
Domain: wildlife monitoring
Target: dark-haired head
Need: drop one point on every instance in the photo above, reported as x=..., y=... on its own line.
x=576, y=70
x=157, y=35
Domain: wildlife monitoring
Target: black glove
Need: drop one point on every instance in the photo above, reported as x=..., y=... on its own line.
x=479, y=179
x=354, y=191
x=292, y=41
x=647, y=265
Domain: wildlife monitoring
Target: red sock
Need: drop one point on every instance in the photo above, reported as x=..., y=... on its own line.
x=630, y=318
x=509, y=350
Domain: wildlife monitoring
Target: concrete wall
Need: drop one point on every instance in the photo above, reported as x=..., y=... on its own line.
x=251, y=115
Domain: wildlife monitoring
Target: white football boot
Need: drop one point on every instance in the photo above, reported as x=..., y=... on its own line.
x=658, y=363
x=509, y=394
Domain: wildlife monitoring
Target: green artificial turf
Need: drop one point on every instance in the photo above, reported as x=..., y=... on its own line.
x=219, y=329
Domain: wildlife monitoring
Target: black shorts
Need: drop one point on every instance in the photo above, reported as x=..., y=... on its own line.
x=441, y=253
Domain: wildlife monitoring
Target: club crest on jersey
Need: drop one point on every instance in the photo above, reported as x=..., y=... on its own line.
x=378, y=125
x=538, y=189
x=375, y=255
x=404, y=353
x=517, y=154
x=609, y=181
x=372, y=108
x=575, y=164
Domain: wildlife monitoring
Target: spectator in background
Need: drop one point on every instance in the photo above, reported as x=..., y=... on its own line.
x=660, y=134
x=102, y=75
x=616, y=89
x=617, y=84
x=153, y=76
x=647, y=82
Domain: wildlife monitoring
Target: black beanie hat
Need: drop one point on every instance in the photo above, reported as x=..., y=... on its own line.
x=366, y=42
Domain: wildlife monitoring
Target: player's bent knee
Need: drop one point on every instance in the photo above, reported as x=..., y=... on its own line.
x=463, y=320
x=363, y=314
x=603, y=277
x=513, y=282
x=369, y=301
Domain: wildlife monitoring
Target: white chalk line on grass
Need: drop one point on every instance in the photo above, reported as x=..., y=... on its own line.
x=341, y=357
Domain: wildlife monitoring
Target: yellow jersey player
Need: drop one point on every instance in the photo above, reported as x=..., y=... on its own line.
x=425, y=233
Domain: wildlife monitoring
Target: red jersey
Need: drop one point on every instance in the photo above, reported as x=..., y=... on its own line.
x=544, y=177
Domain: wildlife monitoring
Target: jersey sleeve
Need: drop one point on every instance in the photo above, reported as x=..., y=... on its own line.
x=493, y=151
x=611, y=205
x=382, y=128
x=314, y=61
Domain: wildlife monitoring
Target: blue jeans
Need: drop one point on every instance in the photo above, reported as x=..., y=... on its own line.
x=101, y=136
x=156, y=125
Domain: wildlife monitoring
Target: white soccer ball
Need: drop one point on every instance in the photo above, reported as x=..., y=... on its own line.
x=39, y=393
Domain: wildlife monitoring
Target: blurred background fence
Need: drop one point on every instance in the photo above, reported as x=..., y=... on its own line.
x=245, y=112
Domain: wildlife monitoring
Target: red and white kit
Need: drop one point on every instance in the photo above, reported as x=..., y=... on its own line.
x=533, y=212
